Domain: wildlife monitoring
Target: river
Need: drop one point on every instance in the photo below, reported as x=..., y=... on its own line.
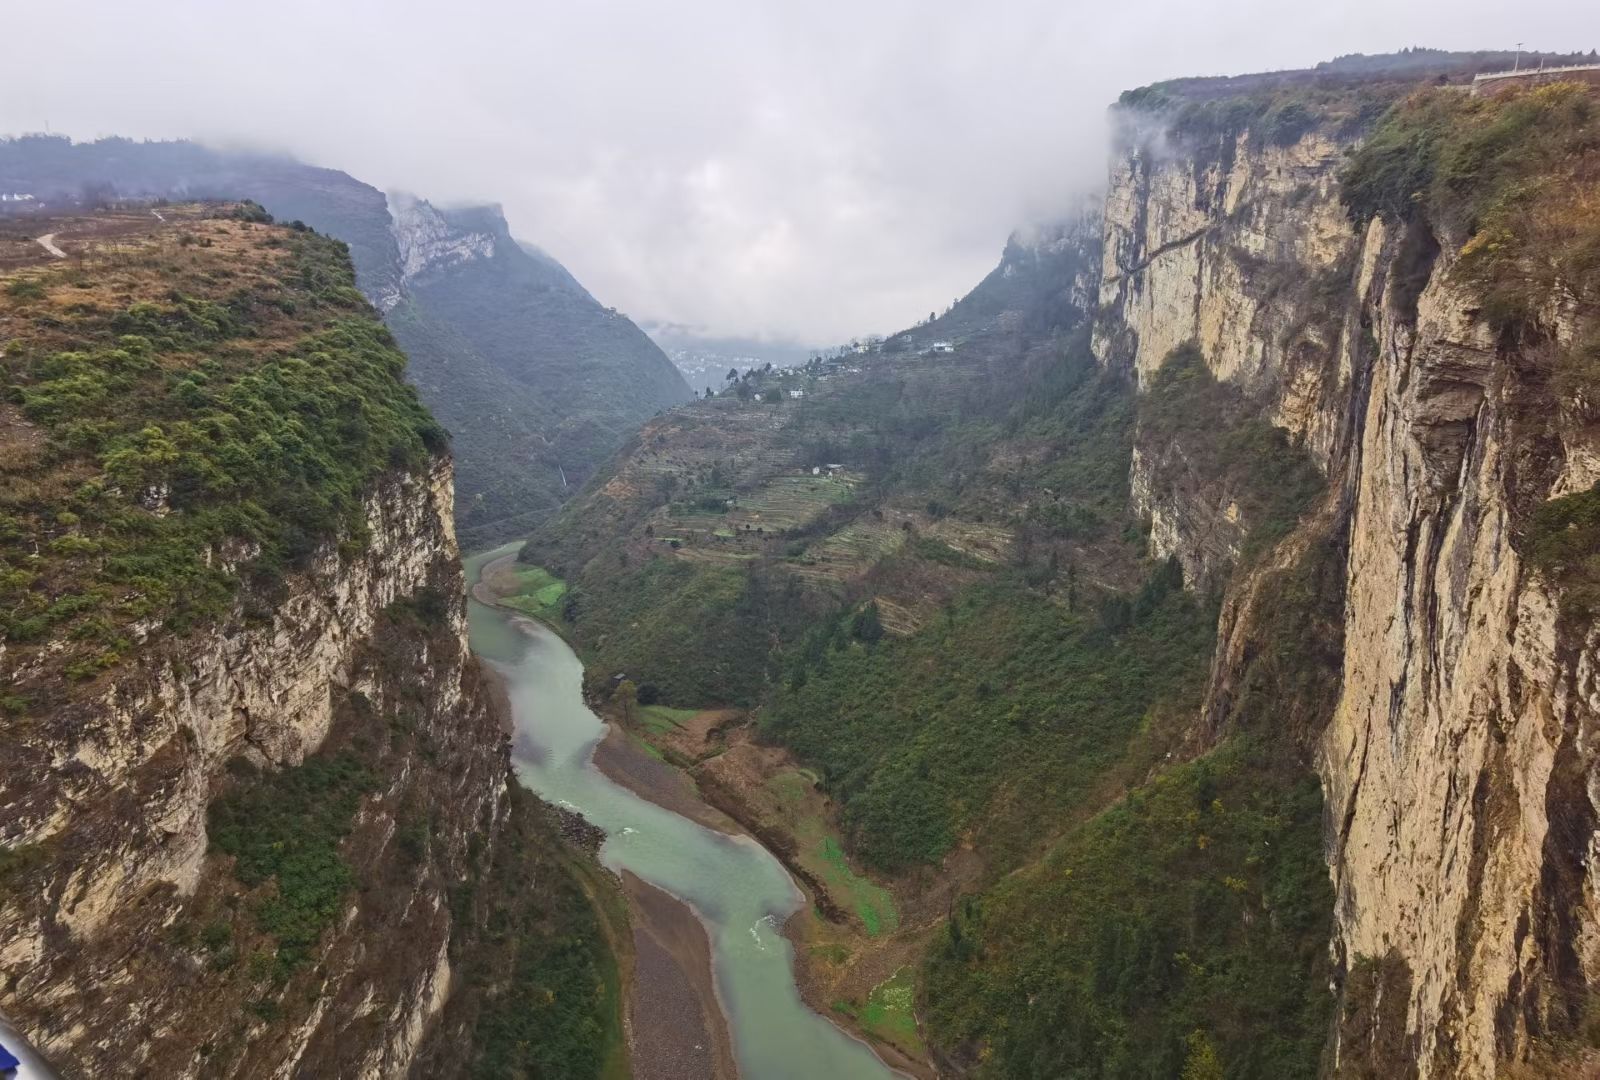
x=739, y=889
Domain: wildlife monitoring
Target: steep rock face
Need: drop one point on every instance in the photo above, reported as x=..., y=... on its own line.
x=1047, y=279
x=95, y=976
x=1240, y=247
x=1456, y=769
x=427, y=241
x=1455, y=765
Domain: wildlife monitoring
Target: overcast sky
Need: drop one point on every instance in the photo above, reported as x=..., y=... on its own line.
x=800, y=169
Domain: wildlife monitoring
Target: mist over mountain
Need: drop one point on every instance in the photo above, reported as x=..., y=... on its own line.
x=535, y=379
x=705, y=359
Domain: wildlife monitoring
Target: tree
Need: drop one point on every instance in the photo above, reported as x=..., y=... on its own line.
x=866, y=626
x=1202, y=1062
x=627, y=699
x=733, y=373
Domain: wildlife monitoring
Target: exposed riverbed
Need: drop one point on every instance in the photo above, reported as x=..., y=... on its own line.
x=738, y=889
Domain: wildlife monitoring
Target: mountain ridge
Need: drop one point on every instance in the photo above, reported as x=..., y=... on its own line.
x=536, y=380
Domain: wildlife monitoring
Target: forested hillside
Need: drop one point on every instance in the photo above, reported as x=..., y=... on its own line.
x=534, y=378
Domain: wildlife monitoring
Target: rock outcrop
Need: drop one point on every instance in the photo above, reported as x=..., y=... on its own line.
x=248, y=753
x=427, y=241
x=1457, y=766
x=96, y=968
x=1239, y=246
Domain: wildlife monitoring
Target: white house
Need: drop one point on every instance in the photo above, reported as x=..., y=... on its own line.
x=797, y=393
x=942, y=346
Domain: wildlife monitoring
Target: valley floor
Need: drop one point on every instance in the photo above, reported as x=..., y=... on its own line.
x=855, y=942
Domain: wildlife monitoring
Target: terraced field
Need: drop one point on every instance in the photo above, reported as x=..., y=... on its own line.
x=531, y=589
x=777, y=505
x=854, y=548
x=793, y=794
x=788, y=502
x=889, y=1012
x=987, y=543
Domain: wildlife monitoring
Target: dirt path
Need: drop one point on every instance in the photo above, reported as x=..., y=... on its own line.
x=48, y=242
x=677, y=1027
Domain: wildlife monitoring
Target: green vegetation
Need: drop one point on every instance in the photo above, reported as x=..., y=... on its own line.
x=285, y=827
x=889, y=1013
x=540, y=995
x=872, y=903
x=1133, y=913
x=926, y=547
x=1563, y=542
x=656, y=719
x=539, y=382
x=695, y=631
x=539, y=593
x=818, y=849
x=260, y=415
x=532, y=374
x=915, y=736
x=16, y=862
x=1200, y=902
x=1510, y=177
x=1226, y=446
x=1183, y=930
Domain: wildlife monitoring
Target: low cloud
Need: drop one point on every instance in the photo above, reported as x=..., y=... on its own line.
x=757, y=168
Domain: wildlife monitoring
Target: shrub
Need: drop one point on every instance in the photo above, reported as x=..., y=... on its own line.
x=285, y=827
x=193, y=432
x=1510, y=177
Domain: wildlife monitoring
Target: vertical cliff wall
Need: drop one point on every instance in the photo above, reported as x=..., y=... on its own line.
x=1460, y=815
x=1233, y=241
x=247, y=752
x=102, y=962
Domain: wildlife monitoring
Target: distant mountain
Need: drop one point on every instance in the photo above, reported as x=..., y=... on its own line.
x=704, y=359
x=1040, y=284
x=537, y=381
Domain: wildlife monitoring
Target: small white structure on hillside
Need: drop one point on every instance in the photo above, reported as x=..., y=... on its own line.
x=797, y=393
x=942, y=346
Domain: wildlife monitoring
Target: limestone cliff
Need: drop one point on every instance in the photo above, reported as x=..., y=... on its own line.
x=92, y=971
x=1238, y=244
x=198, y=629
x=1459, y=782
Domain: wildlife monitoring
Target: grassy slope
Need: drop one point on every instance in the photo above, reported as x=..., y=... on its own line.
x=236, y=389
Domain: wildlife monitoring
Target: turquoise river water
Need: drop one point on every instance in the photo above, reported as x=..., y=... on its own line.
x=740, y=891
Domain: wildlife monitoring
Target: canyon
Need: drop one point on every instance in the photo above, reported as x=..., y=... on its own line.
x=1178, y=658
